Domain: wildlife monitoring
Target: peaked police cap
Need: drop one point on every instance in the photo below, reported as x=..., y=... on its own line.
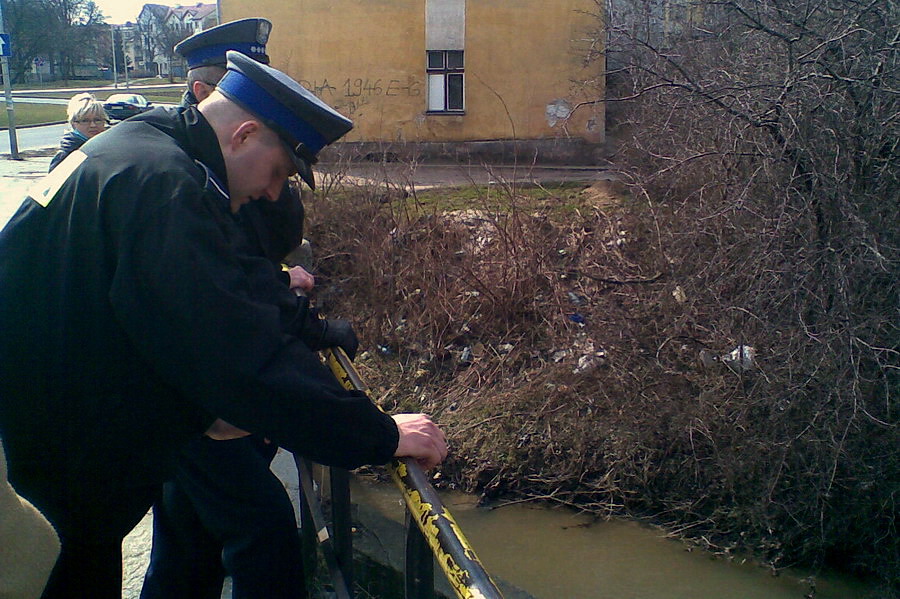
x=208, y=47
x=304, y=123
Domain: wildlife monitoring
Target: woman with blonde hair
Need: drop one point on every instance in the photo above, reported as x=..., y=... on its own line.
x=87, y=118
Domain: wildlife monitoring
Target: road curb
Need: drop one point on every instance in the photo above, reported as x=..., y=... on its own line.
x=35, y=125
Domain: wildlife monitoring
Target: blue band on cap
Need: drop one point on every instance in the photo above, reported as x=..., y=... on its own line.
x=200, y=55
x=258, y=101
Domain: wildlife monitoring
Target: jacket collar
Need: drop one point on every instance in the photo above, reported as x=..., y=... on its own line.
x=202, y=144
x=188, y=99
x=192, y=132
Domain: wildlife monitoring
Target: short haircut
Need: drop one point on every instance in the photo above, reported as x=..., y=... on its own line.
x=85, y=105
x=209, y=75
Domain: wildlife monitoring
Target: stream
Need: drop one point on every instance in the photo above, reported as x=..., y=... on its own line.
x=555, y=553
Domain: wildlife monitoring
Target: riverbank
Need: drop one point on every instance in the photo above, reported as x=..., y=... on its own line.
x=565, y=337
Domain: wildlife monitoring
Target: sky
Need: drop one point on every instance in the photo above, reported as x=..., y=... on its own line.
x=120, y=11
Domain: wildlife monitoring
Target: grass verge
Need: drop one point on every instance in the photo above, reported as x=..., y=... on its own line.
x=34, y=114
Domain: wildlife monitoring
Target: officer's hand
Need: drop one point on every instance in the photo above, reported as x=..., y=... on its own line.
x=222, y=431
x=301, y=279
x=421, y=439
x=339, y=333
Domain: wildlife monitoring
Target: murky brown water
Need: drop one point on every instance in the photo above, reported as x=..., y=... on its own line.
x=557, y=554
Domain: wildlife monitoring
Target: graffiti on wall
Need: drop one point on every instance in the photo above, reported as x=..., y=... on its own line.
x=351, y=94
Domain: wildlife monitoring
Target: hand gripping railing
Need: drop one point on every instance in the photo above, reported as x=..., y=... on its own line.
x=436, y=529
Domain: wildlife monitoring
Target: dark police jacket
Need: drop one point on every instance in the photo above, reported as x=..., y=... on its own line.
x=129, y=319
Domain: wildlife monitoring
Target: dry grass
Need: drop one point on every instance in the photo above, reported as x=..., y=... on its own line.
x=565, y=343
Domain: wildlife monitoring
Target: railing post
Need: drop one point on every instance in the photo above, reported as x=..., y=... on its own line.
x=308, y=541
x=320, y=526
x=342, y=522
x=419, y=564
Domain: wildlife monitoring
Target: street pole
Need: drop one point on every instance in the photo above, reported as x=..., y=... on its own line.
x=10, y=109
x=112, y=35
x=125, y=58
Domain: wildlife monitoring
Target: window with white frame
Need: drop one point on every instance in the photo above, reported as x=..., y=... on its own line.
x=445, y=81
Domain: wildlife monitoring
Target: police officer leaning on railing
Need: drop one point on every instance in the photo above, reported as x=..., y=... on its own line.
x=132, y=319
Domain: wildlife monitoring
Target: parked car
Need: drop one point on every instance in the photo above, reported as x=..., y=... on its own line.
x=122, y=106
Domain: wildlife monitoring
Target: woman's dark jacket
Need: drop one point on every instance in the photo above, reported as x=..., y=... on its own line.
x=71, y=141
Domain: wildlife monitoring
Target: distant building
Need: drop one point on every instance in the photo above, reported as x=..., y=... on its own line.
x=447, y=73
x=658, y=21
x=160, y=27
x=150, y=22
x=191, y=19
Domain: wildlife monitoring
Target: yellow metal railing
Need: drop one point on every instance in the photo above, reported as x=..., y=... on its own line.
x=435, y=525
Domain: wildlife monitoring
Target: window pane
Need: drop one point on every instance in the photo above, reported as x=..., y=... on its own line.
x=454, y=59
x=435, y=59
x=455, y=92
x=436, y=92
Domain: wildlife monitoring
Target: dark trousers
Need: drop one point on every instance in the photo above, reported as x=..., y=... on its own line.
x=91, y=532
x=86, y=571
x=225, y=513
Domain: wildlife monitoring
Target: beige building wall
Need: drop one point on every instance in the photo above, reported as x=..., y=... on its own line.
x=367, y=58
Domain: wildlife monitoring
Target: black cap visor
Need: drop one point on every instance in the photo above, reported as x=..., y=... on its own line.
x=304, y=168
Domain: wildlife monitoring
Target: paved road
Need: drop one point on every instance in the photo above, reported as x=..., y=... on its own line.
x=44, y=136
x=424, y=176
x=16, y=176
x=28, y=100
x=33, y=138
x=75, y=90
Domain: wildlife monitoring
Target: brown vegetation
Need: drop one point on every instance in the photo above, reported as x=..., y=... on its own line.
x=573, y=347
x=471, y=316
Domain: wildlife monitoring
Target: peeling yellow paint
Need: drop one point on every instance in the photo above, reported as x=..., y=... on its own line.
x=429, y=518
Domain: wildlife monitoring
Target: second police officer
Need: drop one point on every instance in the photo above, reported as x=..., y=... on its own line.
x=225, y=512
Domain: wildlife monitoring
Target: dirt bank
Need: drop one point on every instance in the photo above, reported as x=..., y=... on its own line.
x=569, y=341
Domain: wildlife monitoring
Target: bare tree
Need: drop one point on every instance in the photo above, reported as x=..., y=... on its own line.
x=762, y=135
x=165, y=38
x=26, y=20
x=64, y=32
x=71, y=28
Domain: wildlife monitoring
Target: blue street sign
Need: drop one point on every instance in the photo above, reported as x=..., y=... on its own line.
x=5, y=47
